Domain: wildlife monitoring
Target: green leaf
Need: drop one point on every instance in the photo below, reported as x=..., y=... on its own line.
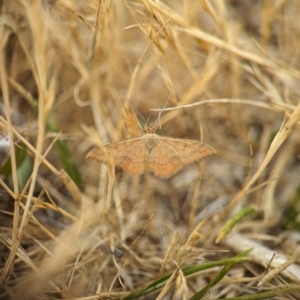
x=160, y=283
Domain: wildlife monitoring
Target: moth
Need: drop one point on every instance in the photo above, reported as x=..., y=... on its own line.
x=161, y=155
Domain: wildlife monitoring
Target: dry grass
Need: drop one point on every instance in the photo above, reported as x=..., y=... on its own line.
x=73, y=73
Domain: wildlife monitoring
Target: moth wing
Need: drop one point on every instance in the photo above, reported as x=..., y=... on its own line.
x=160, y=163
x=171, y=154
x=130, y=154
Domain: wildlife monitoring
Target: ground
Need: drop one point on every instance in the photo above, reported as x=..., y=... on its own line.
x=76, y=75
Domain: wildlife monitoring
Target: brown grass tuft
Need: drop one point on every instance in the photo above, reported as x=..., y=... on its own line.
x=73, y=74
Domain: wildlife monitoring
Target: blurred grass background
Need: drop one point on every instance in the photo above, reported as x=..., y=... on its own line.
x=73, y=75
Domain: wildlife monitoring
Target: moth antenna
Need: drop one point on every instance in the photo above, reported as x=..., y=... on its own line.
x=136, y=111
x=139, y=121
x=161, y=111
x=146, y=122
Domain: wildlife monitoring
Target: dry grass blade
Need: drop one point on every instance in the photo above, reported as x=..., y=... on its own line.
x=78, y=74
